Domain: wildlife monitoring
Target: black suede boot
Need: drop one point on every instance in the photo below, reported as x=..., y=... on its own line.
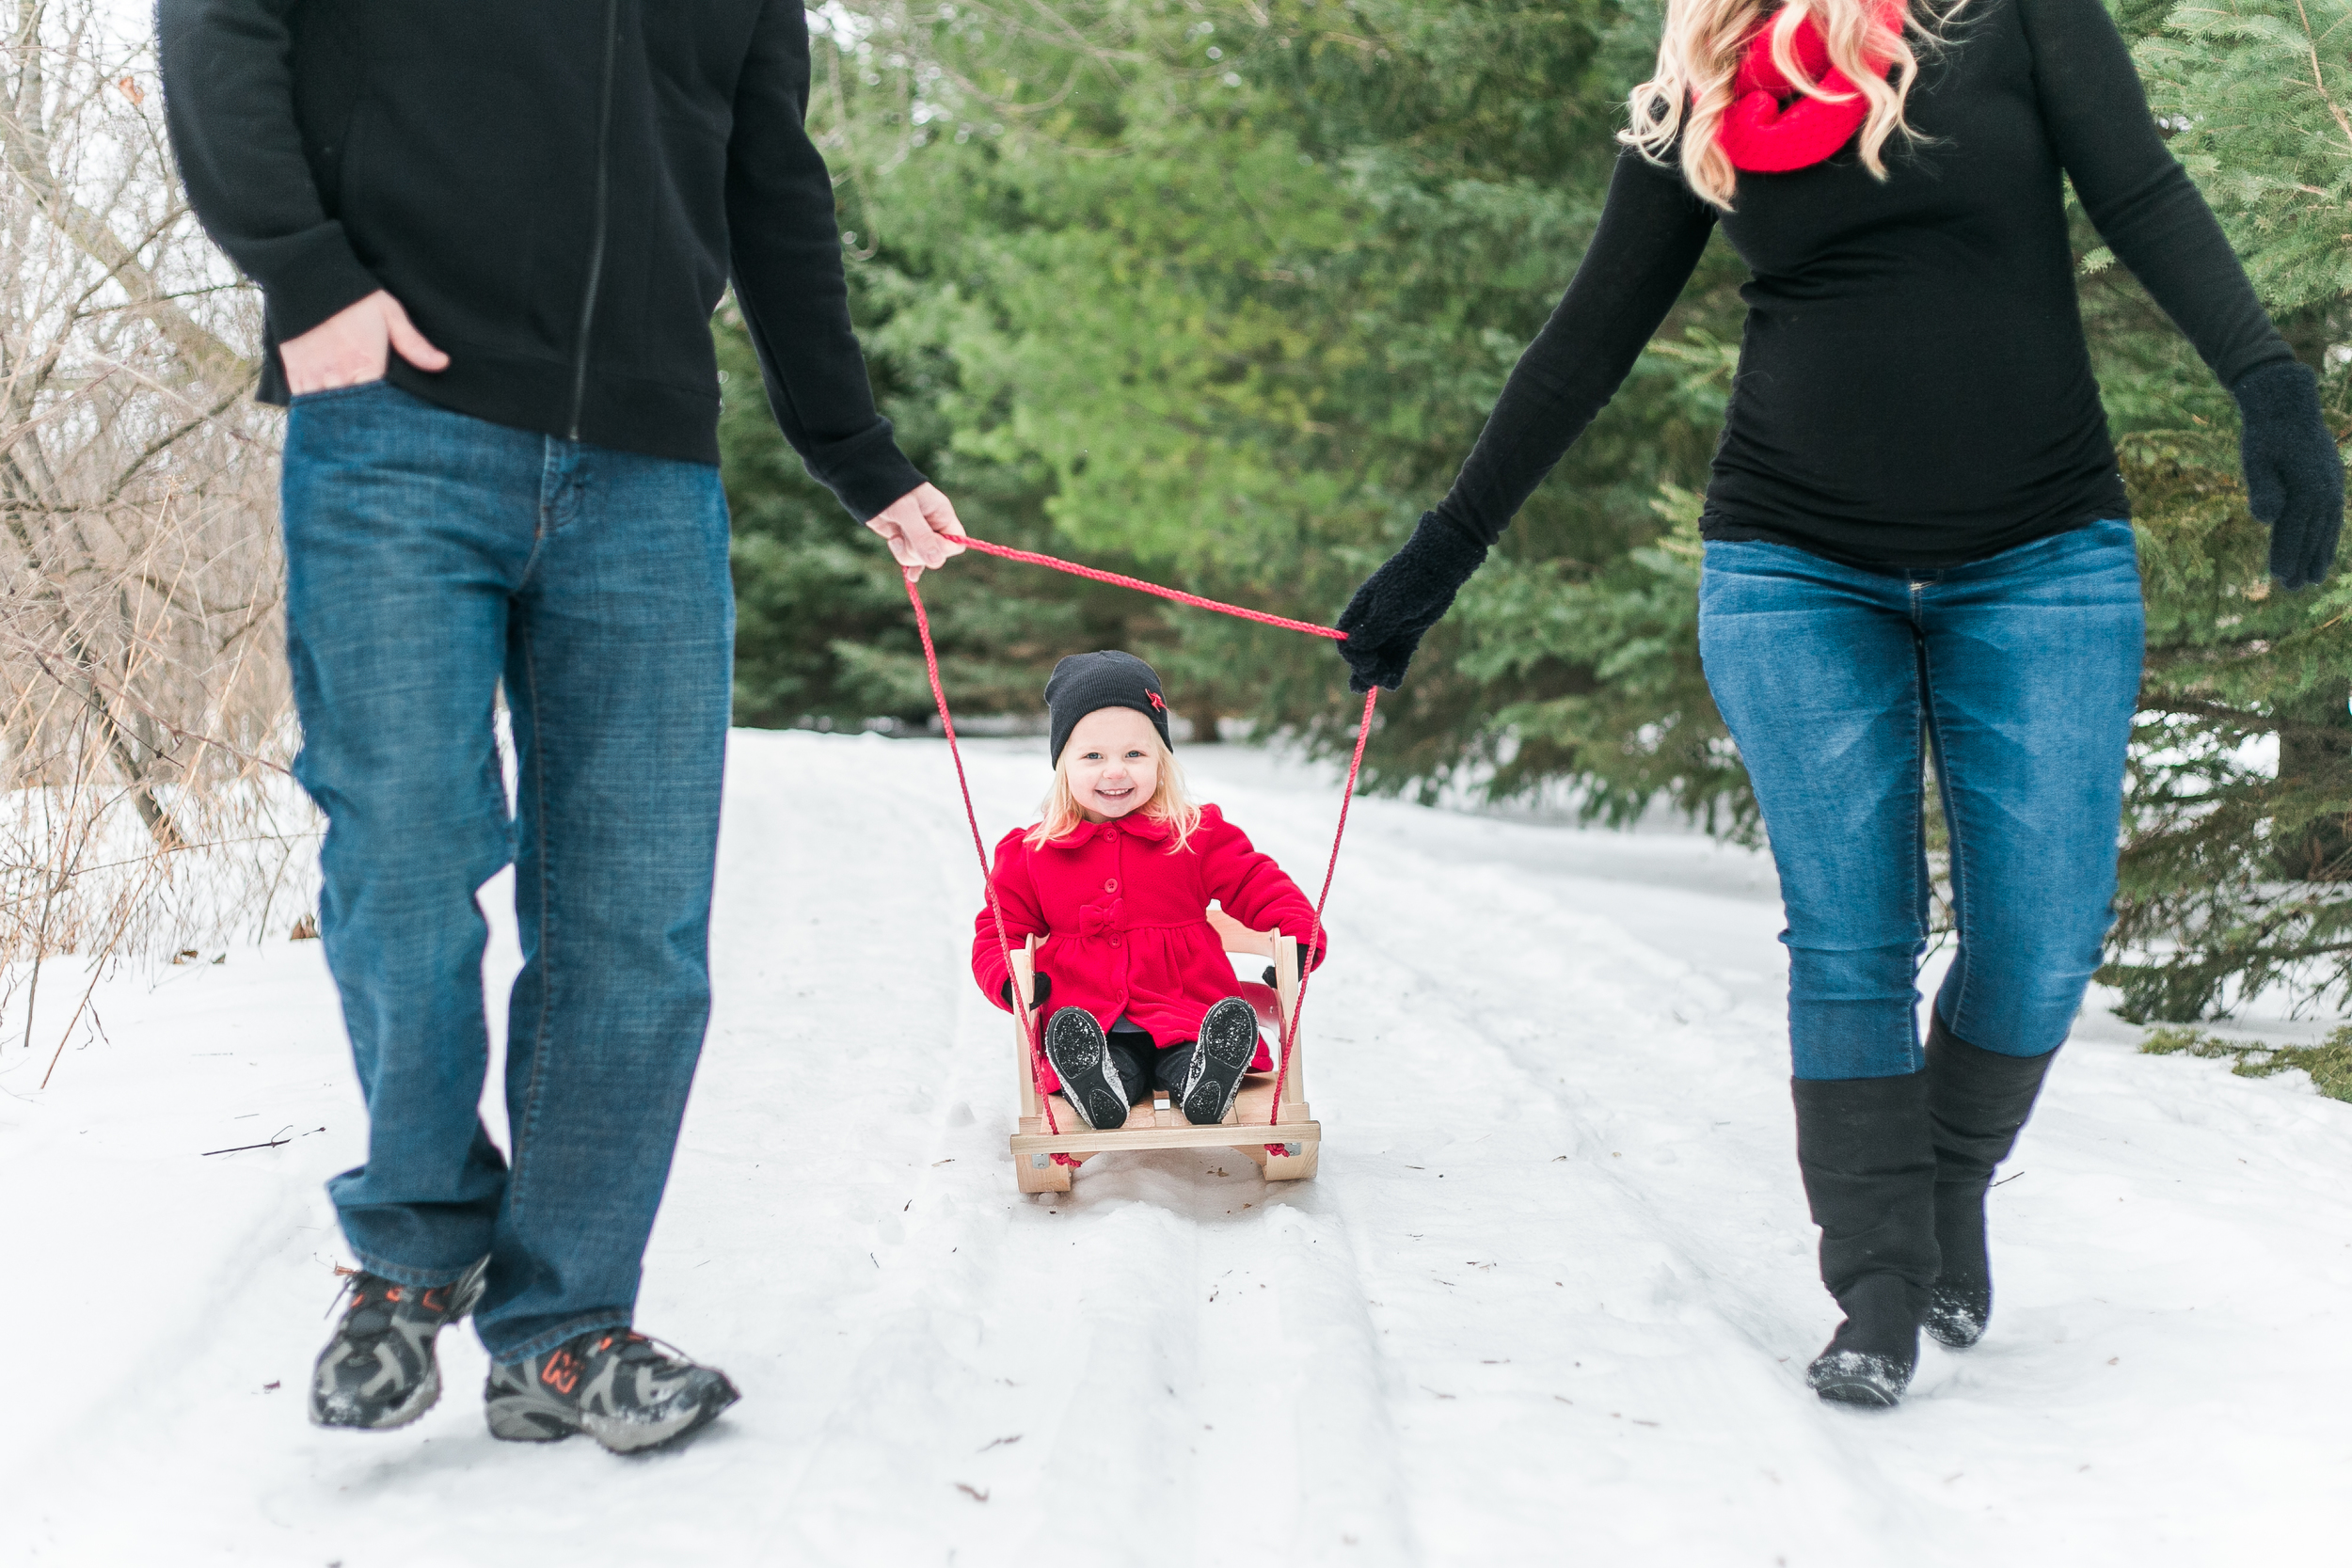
x=1977, y=1101
x=1869, y=1175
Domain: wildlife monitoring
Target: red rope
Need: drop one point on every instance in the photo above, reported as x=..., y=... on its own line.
x=1314, y=936
x=1008, y=553
x=979, y=845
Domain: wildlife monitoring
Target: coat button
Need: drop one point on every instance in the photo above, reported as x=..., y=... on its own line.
x=1114, y=941
x=1111, y=885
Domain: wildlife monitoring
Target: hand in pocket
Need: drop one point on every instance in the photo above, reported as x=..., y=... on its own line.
x=353, y=346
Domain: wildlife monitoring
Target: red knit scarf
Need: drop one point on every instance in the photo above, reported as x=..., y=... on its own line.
x=1770, y=127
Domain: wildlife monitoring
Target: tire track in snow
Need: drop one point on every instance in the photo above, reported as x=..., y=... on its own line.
x=1530, y=1313
x=1167, y=1336
x=1664, y=1293
x=1680, y=1139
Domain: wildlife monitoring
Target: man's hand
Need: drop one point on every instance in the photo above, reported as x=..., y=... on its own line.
x=921, y=529
x=352, y=345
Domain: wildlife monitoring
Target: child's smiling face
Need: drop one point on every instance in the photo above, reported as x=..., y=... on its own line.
x=1113, y=760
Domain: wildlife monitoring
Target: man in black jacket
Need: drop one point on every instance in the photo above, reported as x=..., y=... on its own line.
x=489, y=235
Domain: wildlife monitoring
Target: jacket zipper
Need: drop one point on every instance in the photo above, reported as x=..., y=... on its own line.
x=603, y=215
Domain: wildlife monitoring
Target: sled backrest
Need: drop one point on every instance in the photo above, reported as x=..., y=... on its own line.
x=1239, y=941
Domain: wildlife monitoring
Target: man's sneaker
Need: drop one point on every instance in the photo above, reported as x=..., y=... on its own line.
x=623, y=1389
x=1089, y=1079
x=379, y=1371
x=1229, y=1039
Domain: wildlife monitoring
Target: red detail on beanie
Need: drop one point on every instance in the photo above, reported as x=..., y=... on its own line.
x=1155, y=701
x=1771, y=127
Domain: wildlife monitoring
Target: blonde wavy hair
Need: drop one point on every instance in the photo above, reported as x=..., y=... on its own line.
x=1699, y=55
x=1171, y=803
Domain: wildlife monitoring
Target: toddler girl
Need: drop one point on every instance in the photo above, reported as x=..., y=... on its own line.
x=1117, y=877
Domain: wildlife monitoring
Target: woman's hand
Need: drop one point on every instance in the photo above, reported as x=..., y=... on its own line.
x=1385, y=621
x=2294, y=474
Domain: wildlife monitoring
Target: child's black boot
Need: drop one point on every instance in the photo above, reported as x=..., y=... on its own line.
x=1229, y=1039
x=1089, y=1079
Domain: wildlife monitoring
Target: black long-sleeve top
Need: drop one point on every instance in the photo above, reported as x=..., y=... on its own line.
x=1913, y=389
x=558, y=191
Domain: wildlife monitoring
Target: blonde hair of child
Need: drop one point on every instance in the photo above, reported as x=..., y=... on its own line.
x=1171, y=803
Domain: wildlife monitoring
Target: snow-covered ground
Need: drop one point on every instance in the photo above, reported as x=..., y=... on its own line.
x=1548, y=1302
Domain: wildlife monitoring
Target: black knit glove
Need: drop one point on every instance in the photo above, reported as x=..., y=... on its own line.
x=1040, y=987
x=2294, y=474
x=1385, y=621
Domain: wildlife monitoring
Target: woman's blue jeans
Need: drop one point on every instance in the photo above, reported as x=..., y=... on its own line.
x=429, y=556
x=2018, y=674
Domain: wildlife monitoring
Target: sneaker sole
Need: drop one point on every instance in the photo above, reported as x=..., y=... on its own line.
x=642, y=1436
x=1088, y=1080
x=427, y=1394
x=510, y=1425
x=1229, y=1039
x=525, y=1425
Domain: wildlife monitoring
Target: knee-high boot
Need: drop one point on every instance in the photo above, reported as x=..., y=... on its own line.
x=1977, y=1099
x=1869, y=1174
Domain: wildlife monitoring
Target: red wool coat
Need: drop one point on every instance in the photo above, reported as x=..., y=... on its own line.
x=1125, y=919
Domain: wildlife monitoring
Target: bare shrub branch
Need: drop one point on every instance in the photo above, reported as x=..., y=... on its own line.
x=145, y=718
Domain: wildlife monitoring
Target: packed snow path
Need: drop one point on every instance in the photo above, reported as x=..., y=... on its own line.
x=1549, y=1300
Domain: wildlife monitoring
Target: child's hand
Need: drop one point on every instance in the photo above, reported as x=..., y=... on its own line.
x=1040, y=987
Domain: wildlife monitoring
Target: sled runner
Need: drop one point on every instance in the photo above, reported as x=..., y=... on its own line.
x=1281, y=1140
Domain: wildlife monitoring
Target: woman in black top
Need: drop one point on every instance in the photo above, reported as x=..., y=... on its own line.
x=1914, y=527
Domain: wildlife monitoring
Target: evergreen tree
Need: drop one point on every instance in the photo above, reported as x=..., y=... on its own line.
x=1240, y=280
x=825, y=636
x=2237, y=870
x=1223, y=290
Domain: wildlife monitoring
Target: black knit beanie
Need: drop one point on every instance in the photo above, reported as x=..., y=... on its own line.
x=1083, y=683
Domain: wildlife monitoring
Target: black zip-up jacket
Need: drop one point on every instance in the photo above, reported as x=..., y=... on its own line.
x=557, y=191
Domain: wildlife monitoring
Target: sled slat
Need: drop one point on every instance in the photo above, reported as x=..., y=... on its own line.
x=1284, y=1147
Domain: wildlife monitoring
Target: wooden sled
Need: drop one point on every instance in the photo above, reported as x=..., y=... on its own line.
x=1285, y=1151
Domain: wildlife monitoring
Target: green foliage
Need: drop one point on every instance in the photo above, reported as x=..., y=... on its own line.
x=824, y=634
x=2261, y=94
x=1617, y=646
x=814, y=601
x=2329, y=1063
x=1222, y=290
x=2236, y=874
x=1231, y=286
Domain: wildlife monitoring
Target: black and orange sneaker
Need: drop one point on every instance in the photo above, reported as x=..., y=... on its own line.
x=625, y=1390
x=379, y=1371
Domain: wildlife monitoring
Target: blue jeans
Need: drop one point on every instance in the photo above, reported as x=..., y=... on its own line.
x=2019, y=674
x=429, y=556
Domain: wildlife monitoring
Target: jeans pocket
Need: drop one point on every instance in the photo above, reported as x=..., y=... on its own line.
x=327, y=394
